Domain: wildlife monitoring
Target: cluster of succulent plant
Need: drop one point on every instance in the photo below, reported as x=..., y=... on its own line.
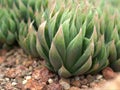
x=25, y=9
x=25, y=12
x=111, y=29
x=74, y=37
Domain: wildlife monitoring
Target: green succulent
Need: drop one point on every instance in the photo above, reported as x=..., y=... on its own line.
x=109, y=24
x=8, y=27
x=70, y=44
x=26, y=9
x=27, y=38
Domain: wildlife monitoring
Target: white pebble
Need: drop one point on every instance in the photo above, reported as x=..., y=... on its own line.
x=28, y=77
x=7, y=79
x=24, y=82
x=14, y=83
x=65, y=85
x=50, y=81
x=98, y=77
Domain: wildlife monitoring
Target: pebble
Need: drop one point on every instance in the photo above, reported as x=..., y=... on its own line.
x=28, y=77
x=74, y=88
x=108, y=73
x=76, y=83
x=97, y=81
x=14, y=83
x=77, y=78
x=7, y=79
x=64, y=84
x=84, y=81
x=50, y=81
x=84, y=87
x=90, y=78
x=30, y=68
x=93, y=84
x=1, y=75
x=24, y=82
x=98, y=77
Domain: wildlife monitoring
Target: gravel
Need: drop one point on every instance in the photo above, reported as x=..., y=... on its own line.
x=19, y=71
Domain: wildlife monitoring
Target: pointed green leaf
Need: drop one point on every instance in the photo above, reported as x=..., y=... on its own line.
x=118, y=49
x=85, y=67
x=74, y=50
x=86, y=54
x=59, y=42
x=55, y=57
x=64, y=72
x=42, y=37
x=116, y=65
x=112, y=51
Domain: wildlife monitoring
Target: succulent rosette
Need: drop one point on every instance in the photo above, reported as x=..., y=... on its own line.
x=70, y=44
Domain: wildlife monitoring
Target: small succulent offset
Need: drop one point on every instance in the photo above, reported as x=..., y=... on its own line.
x=27, y=38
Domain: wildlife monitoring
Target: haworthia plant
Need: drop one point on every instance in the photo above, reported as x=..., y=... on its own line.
x=71, y=48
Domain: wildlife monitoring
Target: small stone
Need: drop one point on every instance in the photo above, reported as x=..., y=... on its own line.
x=30, y=73
x=74, y=88
x=64, y=84
x=54, y=86
x=24, y=82
x=19, y=79
x=76, y=83
x=14, y=83
x=97, y=81
x=12, y=73
x=82, y=77
x=9, y=53
x=84, y=81
x=28, y=77
x=20, y=86
x=42, y=74
x=93, y=84
x=90, y=78
x=98, y=77
x=77, y=78
x=28, y=63
x=30, y=68
x=33, y=84
x=65, y=80
x=7, y=79
x=84, y=86
x=1, y=75
x=50, y=81
x=108, y=73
